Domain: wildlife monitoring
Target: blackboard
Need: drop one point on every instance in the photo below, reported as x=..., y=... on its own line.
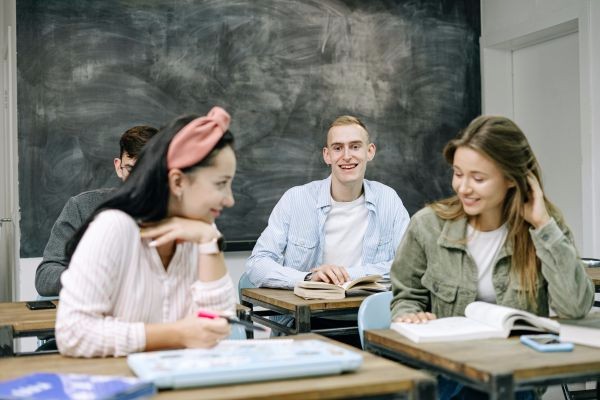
x=88, y=70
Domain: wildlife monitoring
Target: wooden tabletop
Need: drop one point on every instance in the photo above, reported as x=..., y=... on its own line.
x=287, y=300
x=22, y=319
x=480, y=359
x=594, y=273
x=376, y=376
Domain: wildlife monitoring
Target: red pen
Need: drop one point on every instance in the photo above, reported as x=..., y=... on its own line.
x=249, y=326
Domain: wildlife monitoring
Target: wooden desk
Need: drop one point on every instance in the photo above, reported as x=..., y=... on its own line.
x=16, y=320
x=285, y=302
x=496, y=366
x=376, y=377
x=594, y=274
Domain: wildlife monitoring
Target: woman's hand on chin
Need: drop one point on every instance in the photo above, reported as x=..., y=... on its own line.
x=180, y=230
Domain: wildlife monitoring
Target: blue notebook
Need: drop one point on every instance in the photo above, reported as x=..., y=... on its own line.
x=238, y=361
x=46, y=386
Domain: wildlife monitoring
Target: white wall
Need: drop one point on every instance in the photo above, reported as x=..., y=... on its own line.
x=507, y=27
x=550, y=114
x=8, y=153
x=510, y=25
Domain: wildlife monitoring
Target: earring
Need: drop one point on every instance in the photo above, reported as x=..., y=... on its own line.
x=179, y=196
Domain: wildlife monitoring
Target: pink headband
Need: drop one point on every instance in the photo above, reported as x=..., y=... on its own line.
x=195, y=140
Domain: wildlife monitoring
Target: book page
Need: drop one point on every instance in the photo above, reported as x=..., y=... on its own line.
x=362, y=279
x=317, y=285
x=446, y=330
x=507, y=319
x=490, y=314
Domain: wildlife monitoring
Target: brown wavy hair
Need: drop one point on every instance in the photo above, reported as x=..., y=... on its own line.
x=502, y=141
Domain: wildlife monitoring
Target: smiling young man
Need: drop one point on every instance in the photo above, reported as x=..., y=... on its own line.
x=78, y=208
x=336, y=229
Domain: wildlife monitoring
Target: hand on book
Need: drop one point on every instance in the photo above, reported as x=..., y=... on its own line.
x=416, y=318
x=330, y=274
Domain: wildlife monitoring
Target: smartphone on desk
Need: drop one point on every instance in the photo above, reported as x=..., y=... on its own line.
x=40, y=305
x=546, y=343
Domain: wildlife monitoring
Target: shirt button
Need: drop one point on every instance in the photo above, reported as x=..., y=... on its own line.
x=436, y=287
x=545, y=237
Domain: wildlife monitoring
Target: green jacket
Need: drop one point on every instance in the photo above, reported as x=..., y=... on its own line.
x=433, y=271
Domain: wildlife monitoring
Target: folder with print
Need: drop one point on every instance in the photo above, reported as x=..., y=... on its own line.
x=238, y=361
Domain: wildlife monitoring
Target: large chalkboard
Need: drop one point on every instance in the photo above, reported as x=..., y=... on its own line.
x=88, y=70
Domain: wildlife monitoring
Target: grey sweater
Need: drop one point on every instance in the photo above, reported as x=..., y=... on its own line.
x=74, y=214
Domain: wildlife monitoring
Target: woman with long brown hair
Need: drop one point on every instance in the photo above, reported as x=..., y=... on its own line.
x=498, y=239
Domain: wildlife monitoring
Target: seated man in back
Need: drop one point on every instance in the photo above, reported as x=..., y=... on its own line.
x=336, y=229
x=77, y=210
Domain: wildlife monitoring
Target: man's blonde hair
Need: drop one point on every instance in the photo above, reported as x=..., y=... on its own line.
x=348, y=120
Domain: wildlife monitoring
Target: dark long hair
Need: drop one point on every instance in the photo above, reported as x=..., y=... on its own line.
x=145, y=193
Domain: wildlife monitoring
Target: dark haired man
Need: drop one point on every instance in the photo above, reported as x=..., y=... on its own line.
x=80, y=207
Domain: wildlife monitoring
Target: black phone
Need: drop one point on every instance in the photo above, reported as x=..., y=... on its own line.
x=40, y=305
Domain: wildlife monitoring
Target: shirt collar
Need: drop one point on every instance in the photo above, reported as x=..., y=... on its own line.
x=324, y=197
x=454, y=234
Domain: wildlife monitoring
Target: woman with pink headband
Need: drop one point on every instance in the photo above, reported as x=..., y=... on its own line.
x=151, y=255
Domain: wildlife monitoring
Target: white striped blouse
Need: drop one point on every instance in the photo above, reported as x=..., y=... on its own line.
x=116, y=283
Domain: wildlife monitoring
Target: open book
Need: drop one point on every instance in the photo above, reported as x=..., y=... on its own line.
x=481, y=321
x=328, y=291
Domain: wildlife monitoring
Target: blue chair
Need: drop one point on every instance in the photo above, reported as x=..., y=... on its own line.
x=244, y=283
x=237, y=332
x=374, y=313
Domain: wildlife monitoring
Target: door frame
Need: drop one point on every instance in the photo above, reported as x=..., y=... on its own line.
x=497, y=94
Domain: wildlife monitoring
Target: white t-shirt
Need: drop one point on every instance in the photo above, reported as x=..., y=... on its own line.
x=345, y=229
x=484, y=248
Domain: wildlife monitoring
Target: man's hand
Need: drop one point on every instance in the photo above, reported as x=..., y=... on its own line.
x=330, y=274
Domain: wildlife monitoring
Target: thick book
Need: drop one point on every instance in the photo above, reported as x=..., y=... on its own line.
x=481, y=321
x=328, y=291
x=237, y=361
x=584, y=331
x=45, y=386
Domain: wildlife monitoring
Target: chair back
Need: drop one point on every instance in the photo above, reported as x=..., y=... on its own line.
x=591, y=262
x=244, y=283
x=237, y=332
x=374, y=313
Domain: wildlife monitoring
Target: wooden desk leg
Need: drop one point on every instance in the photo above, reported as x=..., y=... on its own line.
x=502, y=388
x=302, y=319
x=6, y=341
